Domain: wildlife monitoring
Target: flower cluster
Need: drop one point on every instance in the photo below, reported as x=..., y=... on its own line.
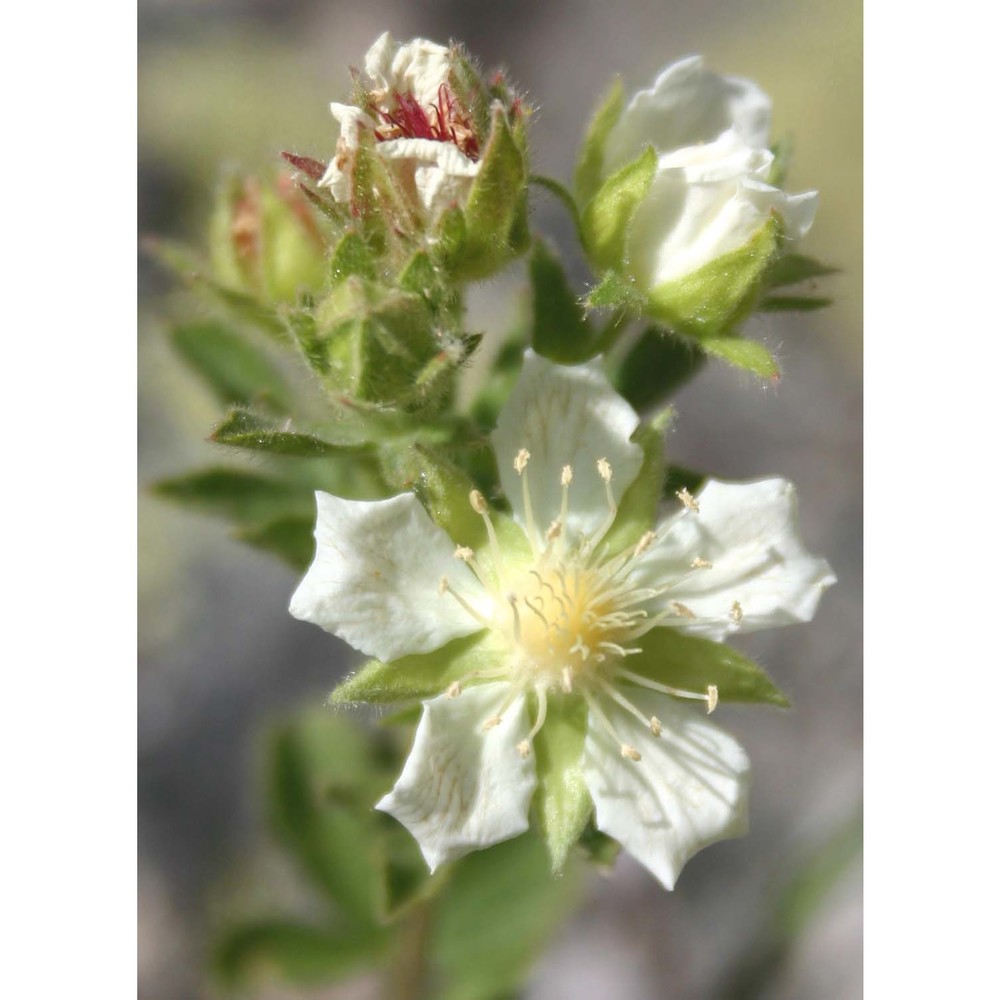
x=565, y=608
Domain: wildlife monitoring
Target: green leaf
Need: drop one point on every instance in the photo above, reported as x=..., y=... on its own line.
x=244, y=497
x=590, y=162
x=352, y=256
x=562, y=800
x=793, y=303
x=235, y=370
x=422, y=675
x=608, y=216
x=688, y=662
x=750, y=355
x=638, y=508
x=616, y=291
x=493, y=919
x=792, y=268
x=289, y=538
x=656, y=366
x=291, y=953
x=244, y=429
x=318, y=792
x=559, y=331
x=716, y=298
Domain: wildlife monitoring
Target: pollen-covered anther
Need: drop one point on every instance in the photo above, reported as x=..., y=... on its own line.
x=555, y=530
x=736, y=613
x=464, y=553
x=682, y=609
x=454, y=689
x=699, y=563
x=604, y=469
x=478, y=502
x=524, y=749
x=492, y=723
x=630, y=752
x=521, y=460
x=644, y=543
x=688, y=500
x=713, y=698
x=655, y=726
x=566, y=476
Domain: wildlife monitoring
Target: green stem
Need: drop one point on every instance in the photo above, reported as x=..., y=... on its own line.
x=408, y=976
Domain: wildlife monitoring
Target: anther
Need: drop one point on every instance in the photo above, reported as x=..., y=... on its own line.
x=464, y=553
x=644, y=543
x=443, y=586
x=604, y=469
x=699, y=563
x=655, y=726
x=736, y=613
x=555, y=530
x=630, y=752
x=713, y=698
x=521, y=460
x=567, y=475
x=682, y=609
x=689, y=501
x=492, y=723
x=524, y=749
x=478, y=502
x=454, y=689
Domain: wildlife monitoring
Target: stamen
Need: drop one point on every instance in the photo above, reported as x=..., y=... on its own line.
x=444, y=587
x=521, y=460
x=478, y=502
x=555, y=530
x=464, y=553
x=688, y=500
x=630, y=752
x=512, y=696
x=480, y=506
x=682, y=609
x=524, y=747
x=713, y=698
x=644, y=543
x=604, y=469
x=736, y=613
x=512, y=601
x=651, y=722
x=699, y=563
x=564, y=480
x=453, y=690
x=627, y=750
x=567, y=475
x=655, y=726
x=520, y=464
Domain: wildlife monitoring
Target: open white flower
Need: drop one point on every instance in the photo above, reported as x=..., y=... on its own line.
x=564, y=615
x=416, y=122
x=710, y=194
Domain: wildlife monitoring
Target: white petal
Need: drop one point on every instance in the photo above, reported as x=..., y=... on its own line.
x=565, y=416
x=418, y=67
x=351, y=121
x=375, y=579
x=687, y=106
x=749, y=533
x=688, y=791
x=442, y=173
x=463, y=788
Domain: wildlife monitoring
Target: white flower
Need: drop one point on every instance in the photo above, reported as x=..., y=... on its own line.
x=563, y=615
x=415, y=121
x=710, y=193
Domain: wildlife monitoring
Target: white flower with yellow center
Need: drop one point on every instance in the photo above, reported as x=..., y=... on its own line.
x=563, y=610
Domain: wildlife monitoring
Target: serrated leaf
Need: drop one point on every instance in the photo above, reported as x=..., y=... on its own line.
x=289, y=538
x=713, y=300
x=290, y=953
x=244, y=429
x=590, y=162
x=608, y=215
x=750, y=355
x=495, y=917
x=235, y=370
x=793, y=303
x=422, y=675
x=559, y=331
x=562, y=800
x=656, y=366
x=352, y=256
x=792, y=268
x=616, y=291
x=244, y=497
x=691, y=663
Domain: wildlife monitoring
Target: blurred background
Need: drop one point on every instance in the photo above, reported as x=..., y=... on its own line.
x=231, y=83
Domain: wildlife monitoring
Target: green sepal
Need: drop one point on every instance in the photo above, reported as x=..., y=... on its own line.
x=641, y=501
x=691, y=663
x=793, y=303
x=559, y=331
x=288, y=538
x=608, y=216
x=421, y=675
x=242, y=428
x=713, y=300
x=253, y=954
x=243, y=497
x=422, y=276
x=750, y=355
x=616, y=291
x=590, y=162
x=352, y=256
x=496, y=212
x=600, y=849
x=561, y=799
x=235, y=370
x=656, y=366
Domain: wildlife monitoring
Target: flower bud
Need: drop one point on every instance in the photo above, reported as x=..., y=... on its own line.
x=678, y=196
x=435, y=152
x=264, y=240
